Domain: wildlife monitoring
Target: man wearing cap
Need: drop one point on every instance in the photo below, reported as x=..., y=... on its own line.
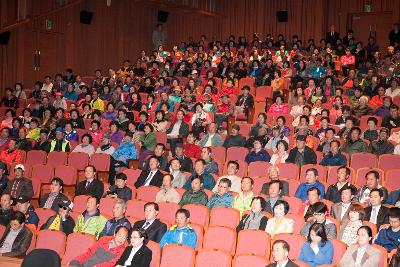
x=21, y=186
x=234, y=139
x=51, y=200
x=59, y=144
x=245, y=101
x=106, y=147
x=24, y=206
x=12, y=155
x=62, y=221
x=382, y=146
x=43, y=143
x=178, y=130
x=301, y=154
x=195, y=77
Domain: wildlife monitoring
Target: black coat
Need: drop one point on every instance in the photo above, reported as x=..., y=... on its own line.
x=183, y=129
x=21, y=242
x=156, y=180
x=289, y=264
x=96, y=188
x=66, y=226
x=309, y=156
x=142, y=258
x=155, y=231
x=382, y=218
x=24, y=188
x=60, y=197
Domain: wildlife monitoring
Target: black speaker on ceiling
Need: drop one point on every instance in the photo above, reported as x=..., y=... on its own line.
x=86, y=17
x=4, y=38
x=282, y=16
x=162, y=16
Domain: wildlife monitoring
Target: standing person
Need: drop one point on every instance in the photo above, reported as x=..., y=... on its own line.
x=159, y=36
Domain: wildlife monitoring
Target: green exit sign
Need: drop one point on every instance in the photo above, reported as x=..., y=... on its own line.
x=367, y=8
x=48, y=24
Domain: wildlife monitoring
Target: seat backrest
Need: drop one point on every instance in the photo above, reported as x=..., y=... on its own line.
x=199, y=230
x=384, y=255
x=362, y=160
x=80, y=203
x=295, y=204
x=392, y=180
x=198, y=214
x=147, y=193
x=296, y=241
x=254, y=242
x=258, y=168
x=77, y=244
x=339, y=248
x=54, y=240
x=236, y=153
x=36, y=157
x=132, y=176
x=67, y=173
x=206, y=258
x=288, y=171
x=167, y=211
x=100, y=161
x=388, y=162
x=106, y=206
x=78, y=159
x=42, y=173
x=2, y=230
x=221, y=238
x=135, y=208
x=227, y=217
x=218, y=153
x=56, y=158
x=44, y=214
x=249, y=260
x=156, y=253
x=177, y=255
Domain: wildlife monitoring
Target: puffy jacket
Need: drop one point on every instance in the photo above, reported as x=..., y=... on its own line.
x=93, y=226
x=185, y=236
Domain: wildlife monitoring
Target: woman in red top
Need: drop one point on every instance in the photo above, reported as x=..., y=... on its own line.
x=191, y=149
x=11, y=155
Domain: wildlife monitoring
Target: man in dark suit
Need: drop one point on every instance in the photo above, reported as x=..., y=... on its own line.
x=376, y=213
x=185, y=161
x=21, y=235
x=177, y=131
x=90, y=186
x=55, y=197
x=332, y=36
x=154, y=228
x=21, y=186
x=152, y=176
x=274, y=194
x=280, y=254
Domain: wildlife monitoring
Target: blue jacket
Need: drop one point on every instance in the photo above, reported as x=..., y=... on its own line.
x=112, y=225
x=217, y=200
x=324, y=255
x=301, y=191
x=260, y=156
x=334, y=160
x=31, y=216
x=185, y=236
x=388, y=239
x=394, y=196
x=317, y=72
x=126, y=150
x=211, y=167
x=208, y=182
x=72, y=136
x=71, y=96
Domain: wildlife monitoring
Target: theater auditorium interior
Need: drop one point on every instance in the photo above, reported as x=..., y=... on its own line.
x=197, y=133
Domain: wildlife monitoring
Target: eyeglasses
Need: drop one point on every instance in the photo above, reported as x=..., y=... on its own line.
x=62, y=207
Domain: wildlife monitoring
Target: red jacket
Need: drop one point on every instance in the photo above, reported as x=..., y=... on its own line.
x=192, y=151
x=14, y=157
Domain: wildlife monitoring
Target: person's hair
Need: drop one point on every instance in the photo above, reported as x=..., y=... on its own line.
x=88, y=136
x=313, y=170
x=319, y=230
x=120, y=202
x=161, y=145
x=394, y=213
x=234, y=162
x=251, y=179
x=58, y=180
x=263, y=202
x=96, y=198
x=347, y=187
x=153, y=157
x=334, y=141
x=373, y=119
x=368, y=230
x=285, y=205
x=359, y=209
x=197, y=177
x=375, y=173
x=18, y=216
x=380, y=192
x=226, y=181
x=285, y=244
x=121, y=176
x=348, y=170
x=141, y=231
x=276, y=182
x=394, y=106
x=154, y=204
x=285, y=144
x=312, y=189
x=183, y=211
x=319, y=207
x=209, y=150
x=201, y=160
x=91, y=166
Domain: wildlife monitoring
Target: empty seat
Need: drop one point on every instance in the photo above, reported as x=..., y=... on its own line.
x=262, y=93
x=392, y=179
x=106, y=206
x=288, y=171
x=206, y=258
x=44, y=214
x=221, y=238
x=388, y=162
x=156, y=253
x=177, y=256
x=362, y=160
x=236, y=153
x=198, y=214
x=54, y=240
x=42, y=173
x=56, y=158
x=294, y=203
x=253, y=242
x=67, y=173
x=227, y=217
x=147, y=193
x=218, y=153
x=135, y=208
x=80, y=203
x=132, y=175
x=167, y=211
x=258, y=169
x=36, y=157
x=78, y=159
x=296, y=242
x=249, y=81
x=249, y=260
x=76, y=244
x=161, y=137
x=100, y=161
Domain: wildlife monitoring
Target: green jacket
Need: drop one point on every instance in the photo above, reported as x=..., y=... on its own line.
x=149, y=141
x=93, y=226
x=357, y=146
x=190, y=197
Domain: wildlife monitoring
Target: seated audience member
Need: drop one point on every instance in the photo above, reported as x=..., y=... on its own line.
x=59, y=143
x=311, y=181
x=257, y=154
x=195, y=195
x=382, y=145
x=319, y=210
x=154, y=228
x=354, y=144
x=186, y=164
x=137, y=253
x=62, y=221
x=91, y=186
x=5, y=209
x=180, y=233
x=24, y=206
x=242, y=201
x=389, y=238
x=16, y=238
x=208, y=180
x=212, y=138
x=275, y=138
x=273, y=194
x=301, y=154
x=105, y=252
x=86, y=145
x=21, y=186
x=334, y=157
x=372, y=182
x=262, y=137
x=117, y=220
x=371, y=134
x=325, y=143
x=362, y=253
x=55, y=197
x=91, y=221
x=394, y=198
x=318, y=249
x=167, y=193
x=261, y=122
x=223, y=198
x=232, y=169
x=23, y=143
x=313, y=196
x=393, y=120
x=70, y=132
x=191, y=148
x=96, y=132
x=3, y=177
x=333, y=193
x=177, y=130
x=273, y=174
x=120, y=189
x=153, y=176
x=43, y=143
x=211, y=164
x=376, y=212
x=280, y=223
x=280, y=155
x=235, y=139
x=125, y=152
x=105, y=147
x=159, y=153
x=280, y=255
x=178, y=177
x=340, y=210
x=254, y=220
x=348, y=231
x=11, y=155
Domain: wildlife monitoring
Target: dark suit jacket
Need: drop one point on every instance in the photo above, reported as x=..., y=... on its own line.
x=289, y=264
x=96, y=188
x=21, y=242
x=156, y=180
x=155, y=231
x=332, y=39
x=183, y=129
x=60, y=197
x=142, y=257
x=24, y=188
x=309, y=156
x=383, y=215
x=268, y=207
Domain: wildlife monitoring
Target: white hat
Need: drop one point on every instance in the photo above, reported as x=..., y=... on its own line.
x=19, y=166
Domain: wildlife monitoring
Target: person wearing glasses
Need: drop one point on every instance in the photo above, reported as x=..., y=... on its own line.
x=62, y=221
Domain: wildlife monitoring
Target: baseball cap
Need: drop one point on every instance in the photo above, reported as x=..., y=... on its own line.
x=66, y=203
x=19, y=166
x=301, y=138
x=22, y=199
x=59, y=130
